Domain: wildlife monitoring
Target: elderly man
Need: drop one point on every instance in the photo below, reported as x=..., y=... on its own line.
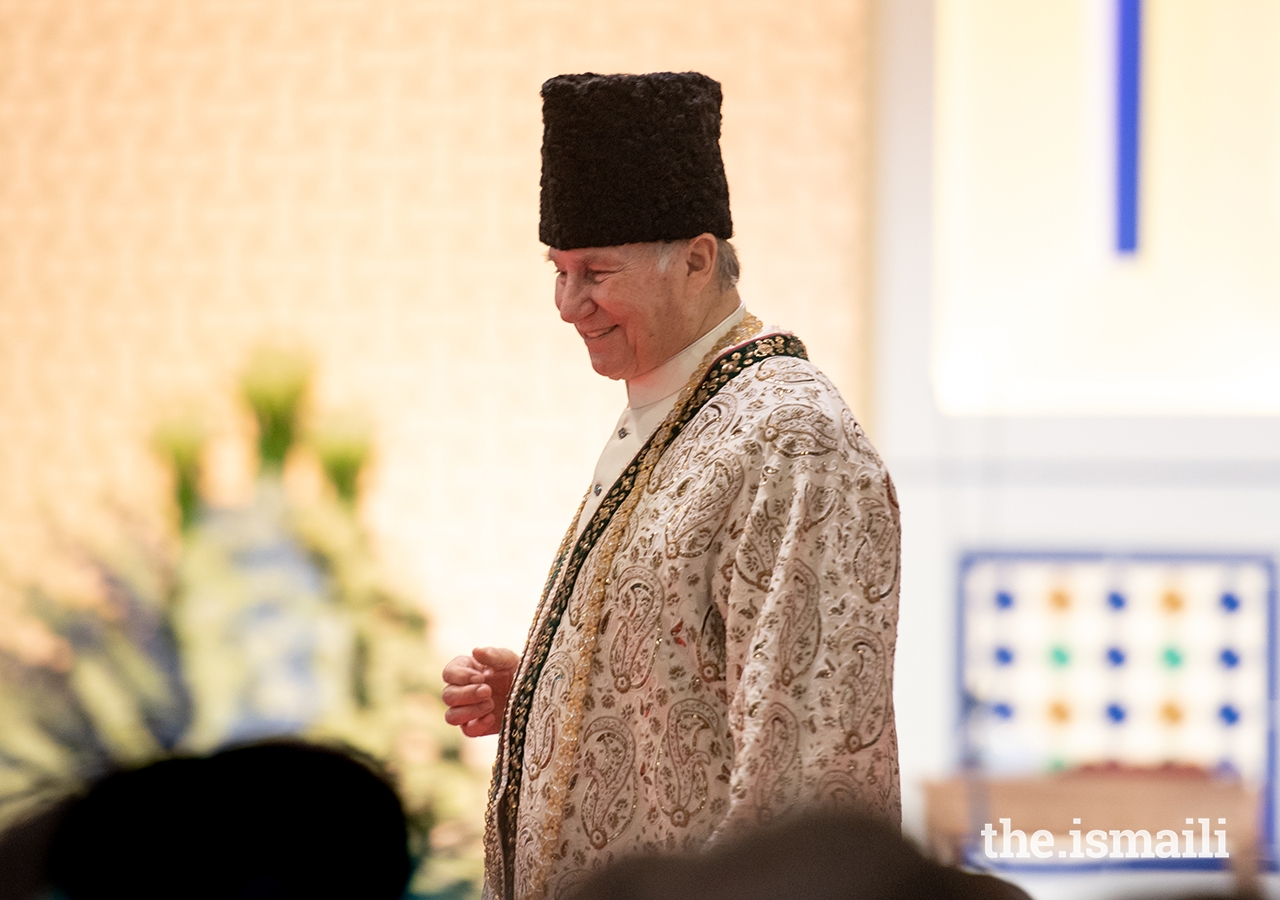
x=714, y=644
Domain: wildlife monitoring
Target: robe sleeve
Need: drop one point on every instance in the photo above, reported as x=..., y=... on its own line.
x=810, y=612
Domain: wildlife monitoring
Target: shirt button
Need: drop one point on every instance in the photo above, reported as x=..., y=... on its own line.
x=622, y=432
x=596, y=490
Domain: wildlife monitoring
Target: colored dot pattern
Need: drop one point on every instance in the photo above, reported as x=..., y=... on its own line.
x=1152, y=645
x=1171, y=713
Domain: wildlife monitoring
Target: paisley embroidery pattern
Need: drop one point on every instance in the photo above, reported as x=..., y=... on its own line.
x=503, y=815
x=799, y=628
x=569, y=882
x=799, y=429
x=758, y=550
x=541, y=737
x=778, y=750
x=816, y=503
x=639, y=606
x=857, y=439
x=711, y=645
x=864, y=694
x=787, y=371
x=609, y=801
x=695, y=441
x=528, y=846
x=704, y=499
x=734, y=666
x=682, y=766
x=838, y=790
x=877, y=556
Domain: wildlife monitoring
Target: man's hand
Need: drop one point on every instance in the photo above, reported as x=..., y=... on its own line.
x=476, y=689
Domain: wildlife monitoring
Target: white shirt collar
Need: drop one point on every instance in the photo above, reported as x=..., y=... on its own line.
x=664, y=380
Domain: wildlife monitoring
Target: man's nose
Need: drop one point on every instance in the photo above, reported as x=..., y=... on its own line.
x=573, y=299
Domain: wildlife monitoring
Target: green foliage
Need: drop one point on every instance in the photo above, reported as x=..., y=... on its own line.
x=269, y=619
x=179, y=443
x=342, y=444
x=110, y=693
x=274, y=385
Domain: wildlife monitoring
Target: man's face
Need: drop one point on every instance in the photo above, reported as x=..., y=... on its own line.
x=631, y=315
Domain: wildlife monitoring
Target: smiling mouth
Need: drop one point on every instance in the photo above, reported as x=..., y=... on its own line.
x=593, y=335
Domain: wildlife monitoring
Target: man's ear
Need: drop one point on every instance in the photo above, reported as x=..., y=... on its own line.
x=703, y=251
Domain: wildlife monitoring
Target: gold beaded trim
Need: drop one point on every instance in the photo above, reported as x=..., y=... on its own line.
x=498, y=858
x=609, y=521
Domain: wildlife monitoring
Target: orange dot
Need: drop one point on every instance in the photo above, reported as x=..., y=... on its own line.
x=1060, y=599
x=1171, y=713
x=1172, y=602
x=1059, y=711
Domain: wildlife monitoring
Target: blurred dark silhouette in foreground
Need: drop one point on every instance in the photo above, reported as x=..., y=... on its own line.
x=816, y=856
x=272, y=821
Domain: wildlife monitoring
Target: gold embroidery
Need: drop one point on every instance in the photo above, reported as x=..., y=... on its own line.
x=590, y=631
x=602, y=536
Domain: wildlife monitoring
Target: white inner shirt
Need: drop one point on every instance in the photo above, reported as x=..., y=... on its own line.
x=650, y=397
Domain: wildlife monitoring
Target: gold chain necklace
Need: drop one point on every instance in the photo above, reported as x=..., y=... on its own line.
x=600, y=583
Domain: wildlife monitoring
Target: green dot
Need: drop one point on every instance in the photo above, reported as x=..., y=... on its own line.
x=1057, y=764
x=1172, y=657
x=1059, y=655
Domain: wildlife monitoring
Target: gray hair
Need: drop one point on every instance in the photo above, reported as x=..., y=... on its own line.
x=727, y=267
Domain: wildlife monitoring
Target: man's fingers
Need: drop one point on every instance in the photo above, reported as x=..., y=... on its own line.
x=463, y=695
x=461, y=715
x=463, y=670
x=468, y=691
x=481, y=726
x=498, y=658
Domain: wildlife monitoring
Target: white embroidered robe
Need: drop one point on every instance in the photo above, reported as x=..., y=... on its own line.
x=744, y=658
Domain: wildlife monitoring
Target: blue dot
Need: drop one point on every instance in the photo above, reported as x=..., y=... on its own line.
x=1004, y=600
x=1229, y=714
x=1230, y=658
x=1115, y=656
x=1230, y=602
x=1004, y=656
x=1003, y=710
x=1116, y=713
x=1116, y=600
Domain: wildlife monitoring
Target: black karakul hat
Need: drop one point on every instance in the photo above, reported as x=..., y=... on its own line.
x=631, y=158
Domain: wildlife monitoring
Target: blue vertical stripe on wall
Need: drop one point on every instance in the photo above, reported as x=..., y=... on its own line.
x=1128, y=98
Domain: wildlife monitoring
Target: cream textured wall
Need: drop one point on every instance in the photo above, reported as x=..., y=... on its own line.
x=181, y=180
x=1036, y=314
